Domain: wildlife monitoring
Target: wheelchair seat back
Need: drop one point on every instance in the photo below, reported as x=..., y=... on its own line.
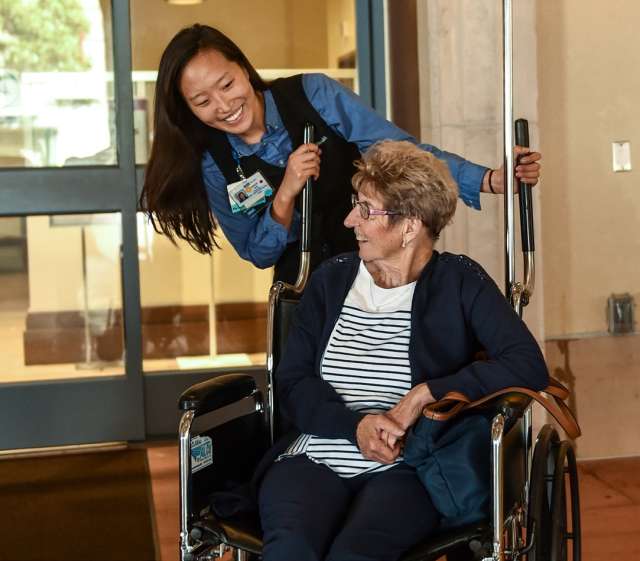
x=285, y=307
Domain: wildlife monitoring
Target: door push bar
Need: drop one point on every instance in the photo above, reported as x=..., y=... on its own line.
x=518, y=293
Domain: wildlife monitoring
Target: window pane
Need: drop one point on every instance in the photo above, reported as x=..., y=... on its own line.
x=199, y=311
x=60, y=297
x=281, y=38
x=56, y=83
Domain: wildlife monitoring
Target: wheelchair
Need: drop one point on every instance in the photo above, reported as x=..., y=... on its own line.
x=535, y=506
x=535, y=511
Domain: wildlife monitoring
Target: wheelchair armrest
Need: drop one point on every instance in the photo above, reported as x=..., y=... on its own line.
x=511, y=405
x=217, y=393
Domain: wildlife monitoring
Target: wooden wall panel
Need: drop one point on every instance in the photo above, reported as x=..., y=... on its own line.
x=167, y=332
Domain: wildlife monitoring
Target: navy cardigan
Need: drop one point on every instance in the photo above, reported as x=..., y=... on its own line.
x=457, y=311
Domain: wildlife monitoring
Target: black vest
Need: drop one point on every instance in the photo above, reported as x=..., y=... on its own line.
x=332, y=191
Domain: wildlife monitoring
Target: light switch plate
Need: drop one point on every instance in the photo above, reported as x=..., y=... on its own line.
x=621, y=155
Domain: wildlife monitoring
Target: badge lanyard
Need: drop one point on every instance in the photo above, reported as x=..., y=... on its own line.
x=236, y=159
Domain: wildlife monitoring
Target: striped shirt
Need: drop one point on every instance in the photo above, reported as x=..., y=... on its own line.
x=367, y=362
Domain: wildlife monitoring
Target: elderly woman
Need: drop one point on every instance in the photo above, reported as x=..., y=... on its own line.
x=377, y=336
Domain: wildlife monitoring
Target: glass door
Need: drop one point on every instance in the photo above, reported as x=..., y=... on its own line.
x=69, y=289
x=90, y=295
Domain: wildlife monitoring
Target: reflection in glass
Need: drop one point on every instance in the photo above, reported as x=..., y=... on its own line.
x=56, y=83
x=281, y=38
x=60, y=297
x=199, y=311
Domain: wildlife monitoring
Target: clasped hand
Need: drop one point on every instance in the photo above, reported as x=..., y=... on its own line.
x=380, y=436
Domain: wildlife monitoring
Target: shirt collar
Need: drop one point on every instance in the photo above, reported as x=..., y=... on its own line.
x=273, y=123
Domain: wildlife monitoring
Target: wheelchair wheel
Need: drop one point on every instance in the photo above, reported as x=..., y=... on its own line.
x=540, y=494
x=565, y=516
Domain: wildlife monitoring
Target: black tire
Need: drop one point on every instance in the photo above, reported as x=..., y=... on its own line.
x=540, y=495
x=565, y=516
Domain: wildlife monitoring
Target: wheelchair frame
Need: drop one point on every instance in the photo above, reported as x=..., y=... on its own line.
x=529, y=517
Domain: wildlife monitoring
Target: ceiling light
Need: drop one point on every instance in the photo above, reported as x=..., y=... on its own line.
x=185, y=2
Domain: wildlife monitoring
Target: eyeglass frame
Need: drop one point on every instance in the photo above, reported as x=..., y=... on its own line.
x=364, y=207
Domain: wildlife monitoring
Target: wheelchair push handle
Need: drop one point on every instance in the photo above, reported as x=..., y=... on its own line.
x=305, y=234
x=524, y=291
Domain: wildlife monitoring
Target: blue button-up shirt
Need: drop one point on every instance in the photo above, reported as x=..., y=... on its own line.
x=262, y=240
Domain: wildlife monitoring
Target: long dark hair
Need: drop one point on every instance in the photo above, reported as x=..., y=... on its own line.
x=173, y=195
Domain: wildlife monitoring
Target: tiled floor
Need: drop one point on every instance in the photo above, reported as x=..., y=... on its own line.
x=609, y=493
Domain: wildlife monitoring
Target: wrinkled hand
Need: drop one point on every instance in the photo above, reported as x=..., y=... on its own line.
x=370, y=438
x=527, y=170
x=408, y=410
x=303, y=163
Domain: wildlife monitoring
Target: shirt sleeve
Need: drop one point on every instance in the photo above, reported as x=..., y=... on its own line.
x=349, y=117
x=259, y=238
x=513, y=355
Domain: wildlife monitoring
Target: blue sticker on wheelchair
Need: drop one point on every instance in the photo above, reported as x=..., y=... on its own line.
x=201, y=453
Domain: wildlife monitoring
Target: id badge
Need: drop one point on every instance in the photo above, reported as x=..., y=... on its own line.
x=249, y=195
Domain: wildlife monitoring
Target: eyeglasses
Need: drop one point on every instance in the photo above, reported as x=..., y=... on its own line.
x=366, y=211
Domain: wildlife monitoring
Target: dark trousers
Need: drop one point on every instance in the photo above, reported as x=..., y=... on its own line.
x=309, y=513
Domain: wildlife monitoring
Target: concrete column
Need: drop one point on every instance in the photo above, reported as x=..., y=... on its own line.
x=460, y=65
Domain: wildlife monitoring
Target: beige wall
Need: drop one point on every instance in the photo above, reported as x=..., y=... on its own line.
x=589, y=67
x=180, y=275
x=172, y=274
x=306, y=34
x=10, y=227
x=603, y=374
x=56, y=266
x=237, y=280
x=274, y=34
x=169, y=275
x=341, y=29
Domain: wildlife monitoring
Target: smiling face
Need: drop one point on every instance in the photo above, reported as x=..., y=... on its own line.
x=378, y=239
x=219, y=94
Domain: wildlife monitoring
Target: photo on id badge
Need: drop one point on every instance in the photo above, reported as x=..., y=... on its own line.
x=249, y=195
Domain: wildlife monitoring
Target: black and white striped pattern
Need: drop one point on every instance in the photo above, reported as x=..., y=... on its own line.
x=367, y=362
x=367, y=358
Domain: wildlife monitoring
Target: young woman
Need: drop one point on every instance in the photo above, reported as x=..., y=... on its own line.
x=228, y=150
